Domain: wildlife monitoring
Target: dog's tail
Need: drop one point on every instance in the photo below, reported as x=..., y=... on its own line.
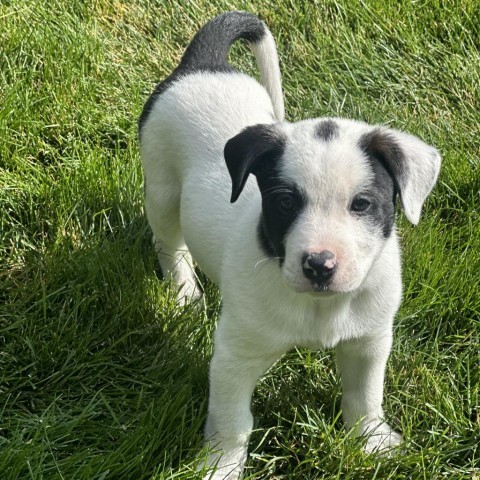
x=209, y=49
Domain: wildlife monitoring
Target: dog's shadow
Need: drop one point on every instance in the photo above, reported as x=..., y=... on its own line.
x=113, y=350
x=170, y=347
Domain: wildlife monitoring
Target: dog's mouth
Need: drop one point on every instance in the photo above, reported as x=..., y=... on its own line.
x=321, y=287
x=314, y=289
x=317, y=290
x=323, y=293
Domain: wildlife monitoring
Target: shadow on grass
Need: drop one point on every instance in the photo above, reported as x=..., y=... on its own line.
x=102, y=373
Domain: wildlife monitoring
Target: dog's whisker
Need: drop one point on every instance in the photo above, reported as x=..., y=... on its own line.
x=267, y=259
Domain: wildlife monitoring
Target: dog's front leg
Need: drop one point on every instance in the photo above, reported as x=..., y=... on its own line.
x=362, y=368
x=236, y=365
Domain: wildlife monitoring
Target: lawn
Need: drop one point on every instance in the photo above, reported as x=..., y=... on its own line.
x=102, y=376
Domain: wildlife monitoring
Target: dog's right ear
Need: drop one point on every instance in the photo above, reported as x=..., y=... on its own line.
x=254, y=147
x=413, y=165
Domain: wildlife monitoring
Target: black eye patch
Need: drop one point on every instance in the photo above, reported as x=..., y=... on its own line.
x=281, y=205
x=376, y=204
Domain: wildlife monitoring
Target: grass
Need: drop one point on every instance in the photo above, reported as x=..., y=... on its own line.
x=102, y=376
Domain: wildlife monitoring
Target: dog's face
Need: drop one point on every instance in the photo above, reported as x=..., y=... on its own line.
x=328, y=194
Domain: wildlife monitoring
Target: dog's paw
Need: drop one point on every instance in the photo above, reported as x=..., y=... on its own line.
x=224, y=473
x=224, y=465
x=190, y=295
x=381, y=439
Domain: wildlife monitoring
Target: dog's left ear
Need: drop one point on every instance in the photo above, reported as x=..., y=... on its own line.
x=413, y=164
x=253, y=148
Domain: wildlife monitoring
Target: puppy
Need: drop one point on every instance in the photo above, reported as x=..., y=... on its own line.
x=293, y=221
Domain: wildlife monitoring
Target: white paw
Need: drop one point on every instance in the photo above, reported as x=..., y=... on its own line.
x=226, y=466
x=226, y=472
x=381, y=439
x=189, y=294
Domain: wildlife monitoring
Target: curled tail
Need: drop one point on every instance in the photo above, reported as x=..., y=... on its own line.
x=208, y=51
x=210, y=46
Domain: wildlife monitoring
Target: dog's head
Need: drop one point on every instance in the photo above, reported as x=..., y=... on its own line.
x=328, y=189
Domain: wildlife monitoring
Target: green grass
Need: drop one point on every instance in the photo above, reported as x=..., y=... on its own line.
x=102, y=376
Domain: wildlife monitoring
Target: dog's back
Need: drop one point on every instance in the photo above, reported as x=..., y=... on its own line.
x=183, y=129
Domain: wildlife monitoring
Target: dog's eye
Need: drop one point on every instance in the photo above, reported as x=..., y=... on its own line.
x=286, y=203
x=360, y=205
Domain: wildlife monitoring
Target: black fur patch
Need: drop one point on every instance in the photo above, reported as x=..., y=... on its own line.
x=276, y=221
x=326, y=130
x=255, y=149
x=208, y=51
x=386, y=161
x=382, y=146
x=264, y=242
x=383, y=195
x=282, y=202
x=258, y=150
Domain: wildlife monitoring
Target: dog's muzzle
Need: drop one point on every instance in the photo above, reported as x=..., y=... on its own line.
x=319, y=268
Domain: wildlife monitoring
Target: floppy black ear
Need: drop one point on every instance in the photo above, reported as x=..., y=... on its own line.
x=413, y=165
x=251, y=149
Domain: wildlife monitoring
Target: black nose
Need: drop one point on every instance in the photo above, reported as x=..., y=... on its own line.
x=319, y=267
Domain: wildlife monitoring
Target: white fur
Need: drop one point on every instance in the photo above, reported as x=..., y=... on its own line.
x=268, y=309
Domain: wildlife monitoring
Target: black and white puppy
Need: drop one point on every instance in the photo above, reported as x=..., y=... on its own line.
x=306, y=255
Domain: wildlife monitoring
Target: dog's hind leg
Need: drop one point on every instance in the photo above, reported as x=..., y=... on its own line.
x=162, y=205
